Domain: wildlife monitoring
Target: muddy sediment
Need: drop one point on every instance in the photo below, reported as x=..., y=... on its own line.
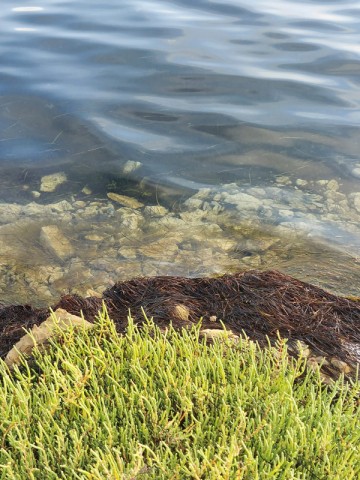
x=320, y=325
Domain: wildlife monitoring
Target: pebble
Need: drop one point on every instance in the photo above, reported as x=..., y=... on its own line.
x=53, y=240
x=49, y=183
x=125, y=200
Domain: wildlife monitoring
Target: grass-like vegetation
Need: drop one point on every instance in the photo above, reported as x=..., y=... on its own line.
x=152, y=405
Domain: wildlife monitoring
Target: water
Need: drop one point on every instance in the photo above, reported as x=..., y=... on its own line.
x=159, y=100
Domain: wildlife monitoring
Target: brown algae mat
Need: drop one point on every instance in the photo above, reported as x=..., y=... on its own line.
x=321, y=326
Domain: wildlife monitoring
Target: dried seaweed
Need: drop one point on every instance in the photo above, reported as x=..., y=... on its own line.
x=261, y=304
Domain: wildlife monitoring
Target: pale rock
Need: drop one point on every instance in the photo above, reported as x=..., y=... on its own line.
x=286, y=213
x=181, y=312
x=243, y=201
x=301, y=183
x=302, y=348
x=155, y=211
x=63, y=206
x=53, y=240
x=161, y=249
x=9, y=212
x=125, y=200
x=194, y=203
x=283, y=180
x=49, y=183
x=128, y=252
x=333, y=185
x=256, y=192
x=193, y=217
x=86, y=191
x=94, y=237
x=91, y=210
x=261, y=244
x=79, y=204
x=131, y=166
x=356, y=172
x=35, y=193
x=340, y=365
x=93, y=293
x=169, y=222
x=203, y=193
x=213, y=334
x=253, y=261
x=39, y=336
x=355, y=197
x=129, y=218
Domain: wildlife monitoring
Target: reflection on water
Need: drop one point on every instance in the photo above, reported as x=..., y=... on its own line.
x=159, y=101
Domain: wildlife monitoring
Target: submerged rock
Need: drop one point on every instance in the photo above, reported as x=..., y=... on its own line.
x=125, y=200
x=52, y=239
x=49, y=183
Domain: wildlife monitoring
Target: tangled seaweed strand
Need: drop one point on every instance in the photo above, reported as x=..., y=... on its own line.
x=259, y=304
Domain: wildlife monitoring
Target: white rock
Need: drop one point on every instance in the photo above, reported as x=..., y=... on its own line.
x=155, y=211
x=9, y=212
x=301, y=183
x=49, y=183
x=333, y=185
x=356, y=200
x=52, y=239
x=243, y=201
x=131, y=166
x=356, y=172
x=59, y=321
x=86, y=191
x=283, y=180
x=63, y=206
x=125, y=200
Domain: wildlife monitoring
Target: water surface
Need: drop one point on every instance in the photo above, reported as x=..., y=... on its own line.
x=201, y=94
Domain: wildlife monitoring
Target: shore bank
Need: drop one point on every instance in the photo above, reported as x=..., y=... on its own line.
x=322, y=327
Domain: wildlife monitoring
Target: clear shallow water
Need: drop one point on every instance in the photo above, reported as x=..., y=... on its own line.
x=202, y=94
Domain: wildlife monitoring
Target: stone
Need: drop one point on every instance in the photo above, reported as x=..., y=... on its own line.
x=356, y=201
x=125, y=200
x=93, y=293
x=128, y=252
x=301, y=183
x=161, y=249
x=79, y=204
x=356, y=172
x=212, y=334
x=333, y=185
x=9, y=212
x=35, y=194
x=94, y=237
x=243, y=201
x=286, y=213
x=302, y=348
x=63, y=206
x=194, y=203
x=155, y=211
x=49, y=183
x=181, y=312
x=53, y=240
x=283, y=180
x=86, y=191
x=39, y=336
x=129, y=218
x=340, y=365
x=130, y=166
